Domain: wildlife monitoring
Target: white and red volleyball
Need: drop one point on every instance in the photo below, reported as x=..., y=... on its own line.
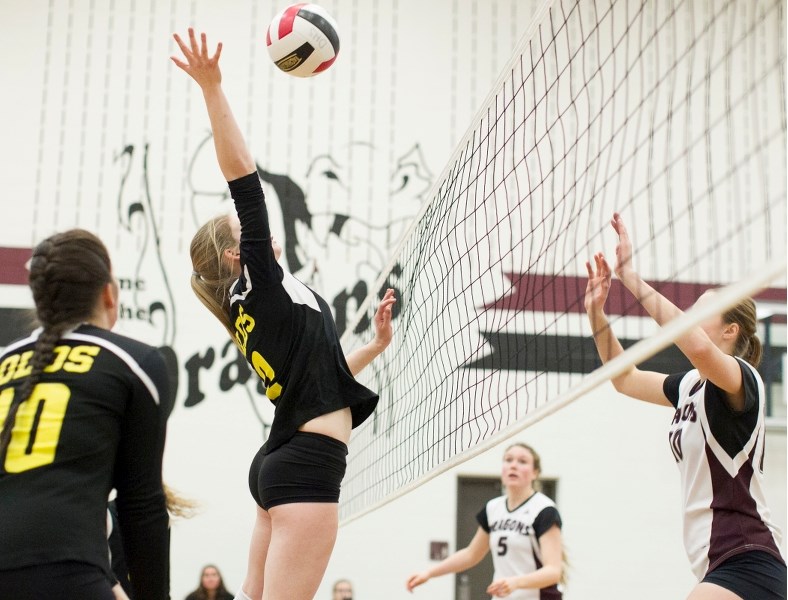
x=302, y=40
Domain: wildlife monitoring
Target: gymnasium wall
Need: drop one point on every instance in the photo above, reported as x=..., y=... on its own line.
x=102, y=131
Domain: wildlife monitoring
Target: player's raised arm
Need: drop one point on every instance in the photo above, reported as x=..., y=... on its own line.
x=643, y=385
x=360, y=358
x=234, y=157
x=713, y=363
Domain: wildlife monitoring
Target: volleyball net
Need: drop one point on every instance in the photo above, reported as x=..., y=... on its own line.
x=671, y=113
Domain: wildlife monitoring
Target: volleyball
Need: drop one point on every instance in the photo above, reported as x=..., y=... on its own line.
x=302, y=40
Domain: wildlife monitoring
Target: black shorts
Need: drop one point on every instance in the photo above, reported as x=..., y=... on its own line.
x=752, y=575
x=308, y=468
x=62, y=580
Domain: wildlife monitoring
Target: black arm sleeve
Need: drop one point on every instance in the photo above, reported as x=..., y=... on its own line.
x=670, y=387
x=545, y=520
x=142, y=509
x=481, y=519
x=750, y=391
x=116, y=553
x=732, y=428
x=258, y=262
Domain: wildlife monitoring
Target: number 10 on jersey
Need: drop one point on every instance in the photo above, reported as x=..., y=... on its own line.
x=36, y=432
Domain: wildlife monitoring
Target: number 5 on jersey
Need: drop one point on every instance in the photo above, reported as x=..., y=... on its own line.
x=36, y=432
x=502, y=547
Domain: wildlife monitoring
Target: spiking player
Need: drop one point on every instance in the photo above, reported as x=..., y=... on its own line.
x=287, y=333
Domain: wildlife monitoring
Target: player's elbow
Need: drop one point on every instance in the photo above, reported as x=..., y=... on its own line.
x=470, y=558
x=700, y=351
x=553, y=574
x=626, y=382
x=237, y=164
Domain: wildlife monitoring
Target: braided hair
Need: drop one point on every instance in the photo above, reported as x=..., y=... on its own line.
x=68, y=272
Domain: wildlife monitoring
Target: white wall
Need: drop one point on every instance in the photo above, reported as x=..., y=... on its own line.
x=88, y=89
x=85, y=80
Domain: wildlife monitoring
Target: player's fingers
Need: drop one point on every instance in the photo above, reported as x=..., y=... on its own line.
x=621, y=229
x=180, y=63
x=181, y=45
x=386, y=303
x=218, y=52
x=193, y=41
x=204, y=45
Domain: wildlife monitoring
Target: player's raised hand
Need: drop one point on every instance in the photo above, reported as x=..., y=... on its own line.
x=202, y=67
x=383, y=329
x=598, y=286
x=623, y=248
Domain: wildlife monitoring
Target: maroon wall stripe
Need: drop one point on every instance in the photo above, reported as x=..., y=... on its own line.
x=13, y=265
x=555, y=293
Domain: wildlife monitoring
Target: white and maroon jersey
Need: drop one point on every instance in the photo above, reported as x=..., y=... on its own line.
x=514, y=540
x=719, y=453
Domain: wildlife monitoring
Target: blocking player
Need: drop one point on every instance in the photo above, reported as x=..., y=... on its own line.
x=716, y=434
x=287, y=333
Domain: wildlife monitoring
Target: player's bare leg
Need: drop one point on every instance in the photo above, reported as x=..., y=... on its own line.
x=302, y=539
x=258, y=553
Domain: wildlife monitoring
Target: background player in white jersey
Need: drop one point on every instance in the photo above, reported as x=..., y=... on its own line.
x=522, y=529
x=716, y=434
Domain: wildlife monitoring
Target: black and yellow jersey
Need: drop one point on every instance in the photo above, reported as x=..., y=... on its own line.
x=95, y=421
x=286, y=330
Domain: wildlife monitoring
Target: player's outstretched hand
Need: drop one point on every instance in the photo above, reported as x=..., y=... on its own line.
x=598, y=286
x=623, y=248
x=416, y=580
x=204, y=69
x=383, y=329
